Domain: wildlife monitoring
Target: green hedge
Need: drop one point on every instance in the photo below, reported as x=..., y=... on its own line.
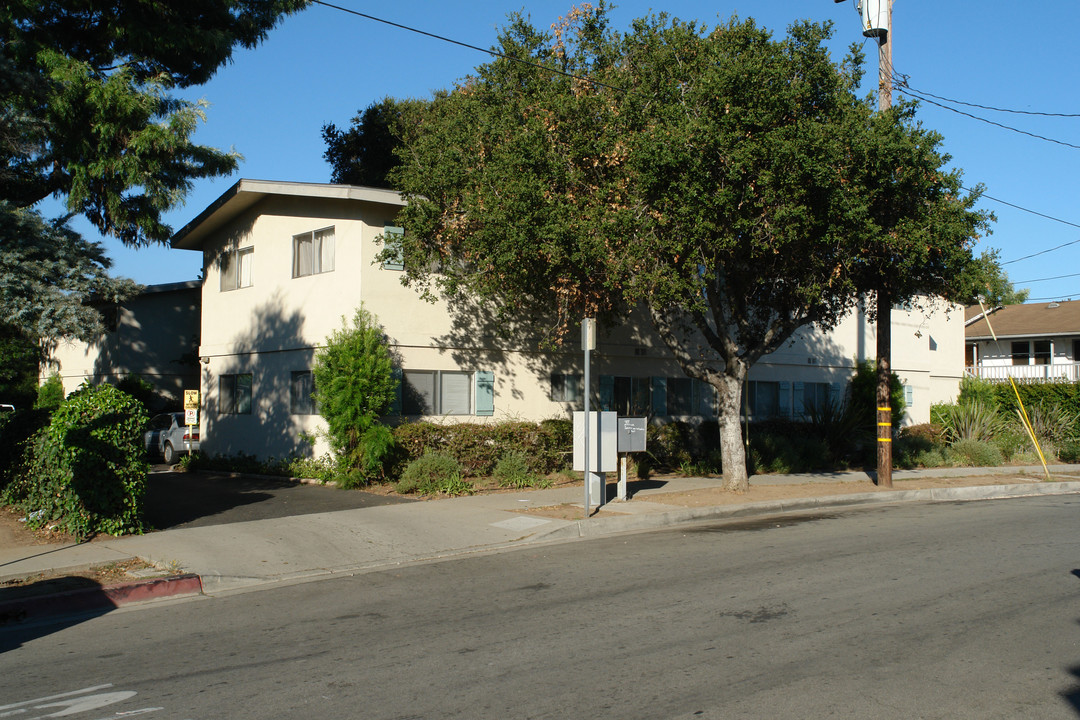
x=85, y=472
x=478, y=447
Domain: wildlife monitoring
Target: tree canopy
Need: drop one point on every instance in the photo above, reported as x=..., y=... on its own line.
x=87, y=116
x=718, y=178
x=87, y=113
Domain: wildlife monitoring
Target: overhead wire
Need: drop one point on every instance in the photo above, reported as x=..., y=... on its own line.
x=489, y=51
x=899, y=80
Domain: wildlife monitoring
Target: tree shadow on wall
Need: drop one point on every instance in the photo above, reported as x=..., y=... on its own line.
x=270, y=348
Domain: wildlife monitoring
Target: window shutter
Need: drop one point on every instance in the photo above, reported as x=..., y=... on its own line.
x=783, y=402
x=659, y=396
x=800, y=399
x=395, y=406
x=485, y=392
x=607, y=392
x=392, y=241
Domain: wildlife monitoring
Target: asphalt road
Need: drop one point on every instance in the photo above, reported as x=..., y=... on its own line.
x=176, y=500
x=966, y=610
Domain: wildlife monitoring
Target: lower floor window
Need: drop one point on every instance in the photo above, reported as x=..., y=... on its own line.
x=436, y=392
x=235, y=394
x=301, y=401
x=762, y=399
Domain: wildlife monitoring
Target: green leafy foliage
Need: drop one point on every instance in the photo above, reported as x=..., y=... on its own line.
x=355, y=385
x=701, y=165
x=512, y=471
x=433, y=473
x=50, y=393
x=975, y=453
x=973, y=420
x=20, y=358
x=478, y=447
x=86, y=471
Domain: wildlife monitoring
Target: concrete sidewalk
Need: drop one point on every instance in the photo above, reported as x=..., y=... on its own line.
x=242, y=555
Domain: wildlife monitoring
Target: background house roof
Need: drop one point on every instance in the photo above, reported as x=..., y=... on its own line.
x=1012, y=321
x=246, y=193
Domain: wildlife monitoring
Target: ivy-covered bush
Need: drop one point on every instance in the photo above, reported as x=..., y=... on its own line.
x=85, y=472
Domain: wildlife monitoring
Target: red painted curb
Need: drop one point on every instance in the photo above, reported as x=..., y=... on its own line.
x=97, y=598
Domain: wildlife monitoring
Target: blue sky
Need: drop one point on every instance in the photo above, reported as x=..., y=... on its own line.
x=323, y=65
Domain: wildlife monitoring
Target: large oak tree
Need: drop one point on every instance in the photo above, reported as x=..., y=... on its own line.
x=715, y=177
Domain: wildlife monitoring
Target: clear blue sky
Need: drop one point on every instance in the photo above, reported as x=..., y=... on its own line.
x=323, y=65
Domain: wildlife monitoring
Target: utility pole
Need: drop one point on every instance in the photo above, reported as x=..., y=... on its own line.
x=877, y=23
x=884, y=300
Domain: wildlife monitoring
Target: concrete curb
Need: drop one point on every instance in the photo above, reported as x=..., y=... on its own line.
x=595, y=527
x=38, y=607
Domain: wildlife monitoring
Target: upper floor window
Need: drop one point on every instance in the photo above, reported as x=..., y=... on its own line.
x=236, y=268
x=395, y=259
x=313, y=252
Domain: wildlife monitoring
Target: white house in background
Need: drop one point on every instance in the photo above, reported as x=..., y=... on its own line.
x=154, y=335
x=1039, y=341
x=284, y=262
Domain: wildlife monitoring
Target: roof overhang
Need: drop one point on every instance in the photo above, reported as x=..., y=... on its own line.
x=246, y=193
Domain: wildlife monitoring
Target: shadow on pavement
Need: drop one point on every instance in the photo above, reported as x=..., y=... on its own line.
x=28, y=612
x=178, y=500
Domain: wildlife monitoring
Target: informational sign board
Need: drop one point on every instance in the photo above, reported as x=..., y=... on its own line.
x=191, y=416
x=191, y=399
x=631, y=432
x=603, y=455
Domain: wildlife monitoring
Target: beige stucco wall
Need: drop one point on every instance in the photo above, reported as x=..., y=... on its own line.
x=156, y=335
x=271, y=329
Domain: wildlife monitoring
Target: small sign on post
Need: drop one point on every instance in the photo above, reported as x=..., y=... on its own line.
x=631, y=438
x=191, y=410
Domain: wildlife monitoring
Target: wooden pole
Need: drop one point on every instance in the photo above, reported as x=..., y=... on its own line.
x=884, y=301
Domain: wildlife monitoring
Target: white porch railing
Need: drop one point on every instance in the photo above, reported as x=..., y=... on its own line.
x=1060, y=371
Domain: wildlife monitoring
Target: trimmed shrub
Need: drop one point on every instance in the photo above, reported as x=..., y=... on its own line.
x=975, y=453
x=430, y=473
x=786, y=452
x=513, y=471
x=477, y=447
x=1069, y=452
x=86, y=471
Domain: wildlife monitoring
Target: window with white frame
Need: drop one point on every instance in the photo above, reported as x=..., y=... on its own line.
x=313, y=252
x=301, y=395
x=236, y=268
x=437, y=392
x=392, y=239
x=234, y=393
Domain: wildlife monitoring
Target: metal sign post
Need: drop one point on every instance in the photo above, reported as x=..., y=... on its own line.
x=588, y=344
x=191, y=412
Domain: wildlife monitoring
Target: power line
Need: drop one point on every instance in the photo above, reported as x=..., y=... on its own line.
x=904, y=83
x=1056, y=277
x=1041, y=252
x=908, y=91
x=487, y=51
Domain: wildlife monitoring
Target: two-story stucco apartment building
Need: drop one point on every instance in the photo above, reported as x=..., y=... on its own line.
x=284, y=262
